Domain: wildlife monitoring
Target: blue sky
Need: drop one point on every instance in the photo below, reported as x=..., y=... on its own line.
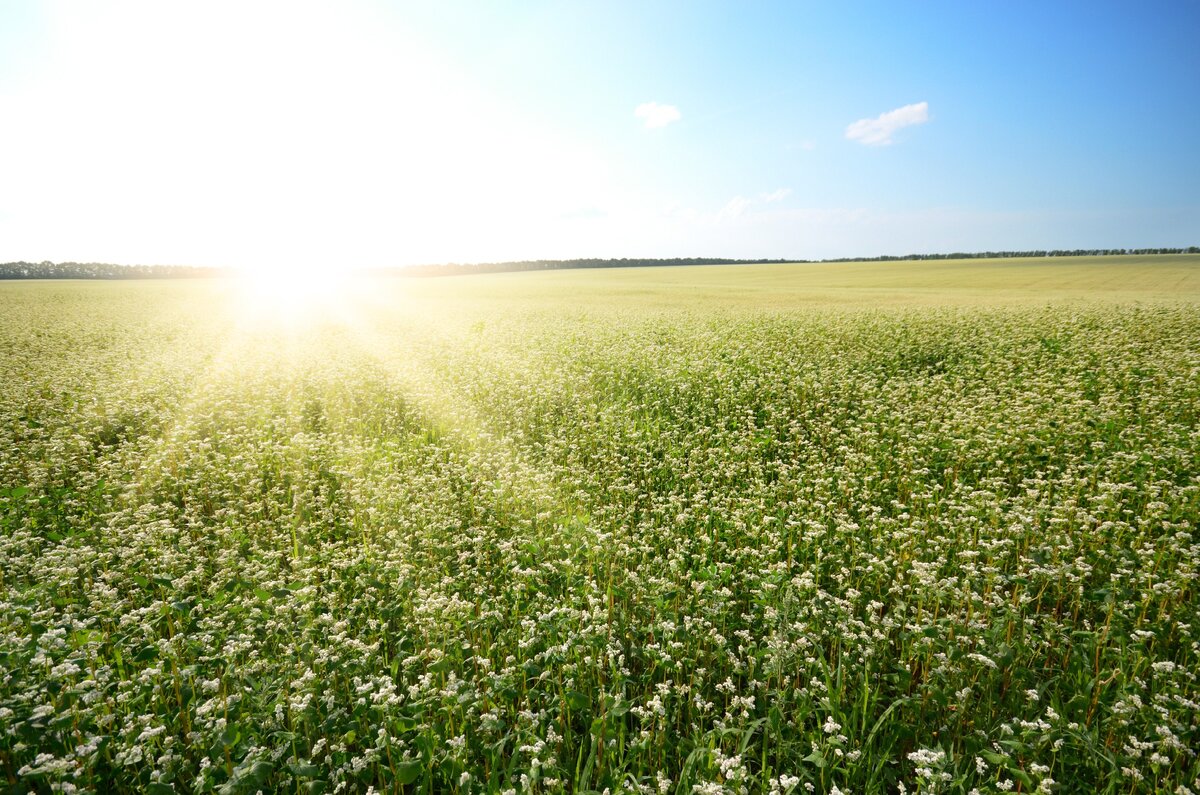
x=317, y=135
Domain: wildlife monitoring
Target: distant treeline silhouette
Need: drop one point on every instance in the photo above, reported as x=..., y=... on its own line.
x=103, y=270
x=100, y=270
x=1074, y=252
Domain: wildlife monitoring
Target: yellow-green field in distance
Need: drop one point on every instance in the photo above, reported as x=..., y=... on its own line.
x=925, y=281
x=858, y=527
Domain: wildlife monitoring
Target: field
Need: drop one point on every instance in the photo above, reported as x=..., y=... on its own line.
x=853, y=528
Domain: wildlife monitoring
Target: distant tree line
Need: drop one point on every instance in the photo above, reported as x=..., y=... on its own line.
x=1074, y=252
x=99, y=270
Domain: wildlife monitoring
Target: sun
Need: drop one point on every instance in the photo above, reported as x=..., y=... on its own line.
x=290, y=295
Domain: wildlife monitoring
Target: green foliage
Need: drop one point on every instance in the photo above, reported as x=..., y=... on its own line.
x=481, y=538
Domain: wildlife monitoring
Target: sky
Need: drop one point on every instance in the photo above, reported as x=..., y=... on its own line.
x=302, y=135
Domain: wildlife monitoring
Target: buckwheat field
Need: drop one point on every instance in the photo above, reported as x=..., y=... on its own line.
x=855, y=528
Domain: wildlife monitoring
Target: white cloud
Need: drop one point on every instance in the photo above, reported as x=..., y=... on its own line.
x=738, y=205
x=734, y=207
x=878, y=131
x=656, y=115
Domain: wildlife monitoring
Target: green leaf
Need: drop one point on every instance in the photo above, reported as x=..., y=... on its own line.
x=1022, y=776
x=408, y=772
x=300, y=770
x=160, y=789
x=994, y=758
x=261, y=770
x=83, y=637
x=748, y=734
x=577, y=701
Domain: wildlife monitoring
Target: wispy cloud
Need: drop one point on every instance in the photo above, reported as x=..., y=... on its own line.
x=734, y=208
x=656, y=115
x=879, y=130
x=738, y=205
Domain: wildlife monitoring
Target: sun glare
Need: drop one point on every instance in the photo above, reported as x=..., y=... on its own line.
x=293, y=296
